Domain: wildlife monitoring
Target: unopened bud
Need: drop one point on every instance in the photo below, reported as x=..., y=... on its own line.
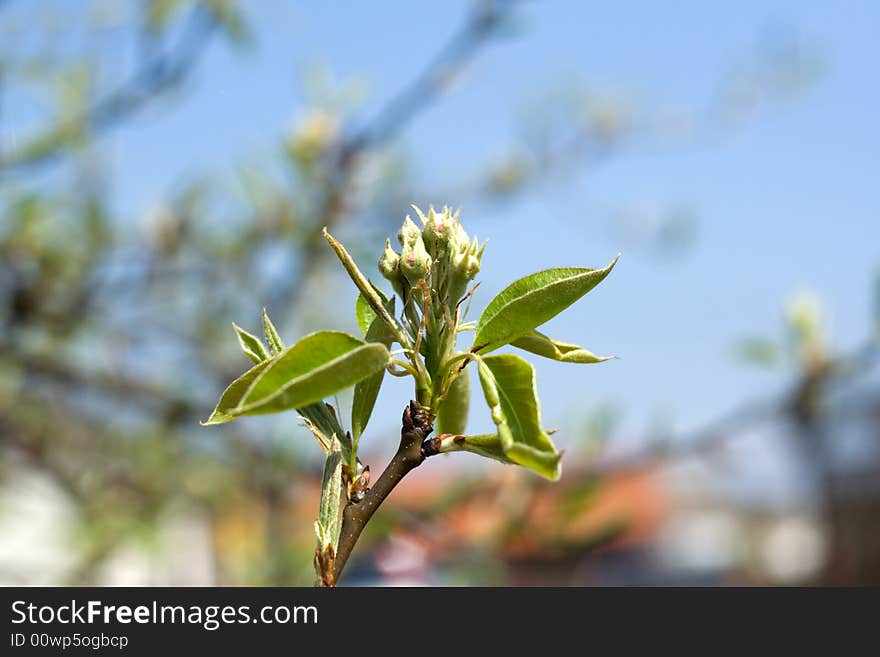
x=389, y=263
x=467, y=265
x=475, y=249
x=459, y=240
x=408, y=233
x=471, y=267
x=415, y=263
x=436, y=231
x=420, y=213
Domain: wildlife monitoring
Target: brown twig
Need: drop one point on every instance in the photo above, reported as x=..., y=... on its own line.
x=416, y=426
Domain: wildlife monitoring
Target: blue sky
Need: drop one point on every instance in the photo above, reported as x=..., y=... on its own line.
x=787, y=202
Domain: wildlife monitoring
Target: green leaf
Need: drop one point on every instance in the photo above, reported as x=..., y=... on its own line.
x=234, y=393
x=329, y=513
x=487, y=445
x=366, y=391
x=276, y=344
x=365, y=313
x=531, y=301
x=452, y=414
x=372, y=294
x=321, y=420
x=250, y=344
x=540, y=344
x=319, y=365
x=508, y=383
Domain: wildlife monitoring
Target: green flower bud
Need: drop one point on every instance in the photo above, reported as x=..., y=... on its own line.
x=466, y=265
x=475, y=249
x=441, y=253
x=409, y=233
x=436, y=231
x=470, y=267
x=478, y=250
x=389, y=263
x=415, y=263
x=420, y=213
x=459, y=240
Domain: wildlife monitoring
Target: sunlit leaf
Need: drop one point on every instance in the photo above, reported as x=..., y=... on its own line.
x=367, y=390
x=531, y=301
x=487, y=445
x=372, y=294
x=250, y=345
x=540, y=344
x=330, y=513
x=320, y=418
x=234, y=393
x=365, y=313
x=452, y=414
x=317, y=366
x=508, y=383
x=276, y=344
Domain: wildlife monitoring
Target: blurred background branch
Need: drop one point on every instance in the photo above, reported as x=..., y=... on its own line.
x=156, y=73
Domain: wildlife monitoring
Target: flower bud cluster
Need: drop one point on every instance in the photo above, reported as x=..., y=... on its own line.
x=440, y=252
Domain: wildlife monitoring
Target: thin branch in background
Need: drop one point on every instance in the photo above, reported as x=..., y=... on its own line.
x=847, y=369
x=718, y=431
x=452, y=58
x=154, y=75
x=477, y=29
